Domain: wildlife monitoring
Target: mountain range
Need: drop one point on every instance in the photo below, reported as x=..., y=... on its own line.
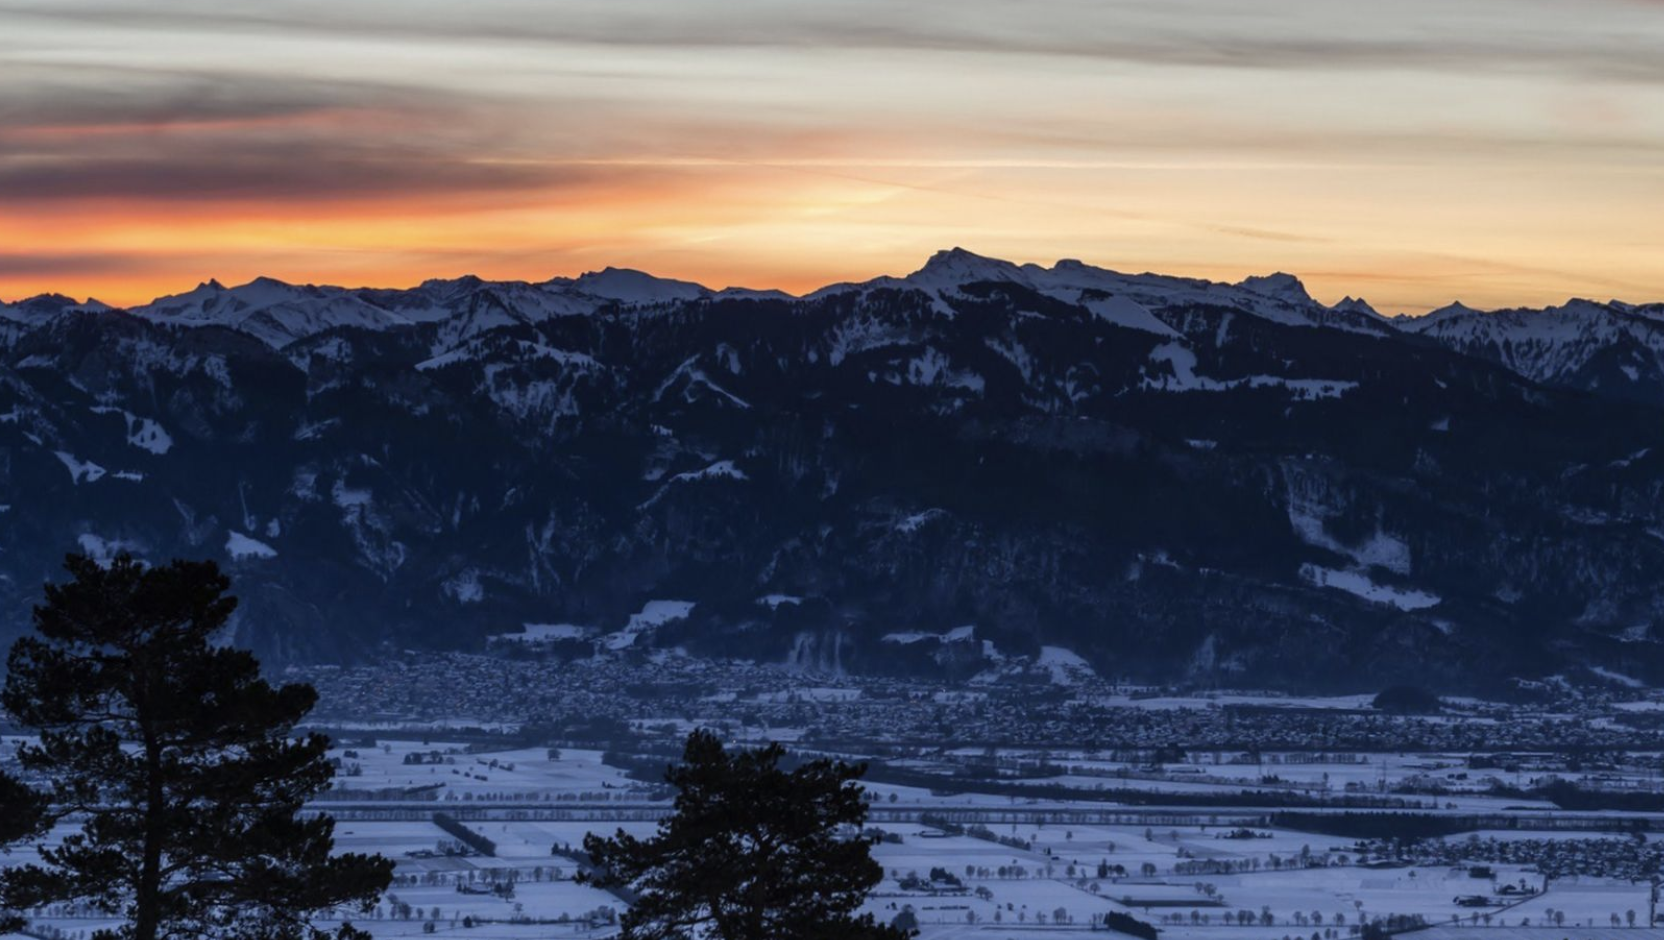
x=971, y=471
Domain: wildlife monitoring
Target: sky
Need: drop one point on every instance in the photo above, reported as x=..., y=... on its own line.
x=1503, y=152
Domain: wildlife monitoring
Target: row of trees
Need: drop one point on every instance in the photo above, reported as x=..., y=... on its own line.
x=465, y=835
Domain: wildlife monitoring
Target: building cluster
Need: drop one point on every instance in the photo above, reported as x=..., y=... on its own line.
x=602, y=699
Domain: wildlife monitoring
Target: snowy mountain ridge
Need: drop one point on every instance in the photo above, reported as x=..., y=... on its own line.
x=1613, y=347
x=1172, y=478
x=1581, y=343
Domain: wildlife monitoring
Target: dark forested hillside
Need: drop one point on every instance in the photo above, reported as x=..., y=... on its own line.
x=1169, y=478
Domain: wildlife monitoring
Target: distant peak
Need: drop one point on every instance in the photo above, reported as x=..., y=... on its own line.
x=1350, y=304
x=630, y=286
x=959, y=256
x=959, y=266
x=1279, y=286
x=1584, y=305
x=1071, y=266
x=46, y=305
x=613, y=272
x=453, y=286
x=1453, y=309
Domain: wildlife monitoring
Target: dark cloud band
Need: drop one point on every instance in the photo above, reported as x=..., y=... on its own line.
x=1494, y=36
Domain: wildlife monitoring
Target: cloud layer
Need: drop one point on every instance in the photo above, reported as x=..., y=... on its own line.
x=1506, y=151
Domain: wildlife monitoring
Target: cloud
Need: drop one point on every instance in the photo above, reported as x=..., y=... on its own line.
x=67, y=264
x=180, y=135
x=35, y=98
x=293, y=173
x=802, y=135
x=1461, y=36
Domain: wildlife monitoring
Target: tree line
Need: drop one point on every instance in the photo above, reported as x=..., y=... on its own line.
x=465, y=835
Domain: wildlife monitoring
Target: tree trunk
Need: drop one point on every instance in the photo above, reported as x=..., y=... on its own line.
x=148, y=903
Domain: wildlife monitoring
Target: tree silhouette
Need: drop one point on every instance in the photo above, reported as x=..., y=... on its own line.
x=180, y=758
x=22, y=814
x=1407, y=699
x=752, y=852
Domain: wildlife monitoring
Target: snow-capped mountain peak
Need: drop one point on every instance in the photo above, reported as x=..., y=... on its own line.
x=956, y=267
x=1153, y=425
x=1350, y=304
x=272, y=310
x=1453, y=309
x=1610, y=347
x=629, y=286
x=197, y=303
x=1279, y=286
x=943, y=275
x=1569, y=344
x=42, y=306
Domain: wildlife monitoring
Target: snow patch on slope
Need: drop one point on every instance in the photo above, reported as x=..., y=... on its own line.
x=1181, y=360
x=464, y=587
x=1618, y=677
x=242, y=547
x=696, y=378
x=957, y=635
x=103, y=550
x=721, y=470
x=653, y=615
x=1066, y=667
x=1359, y=584
x=79, y=470
x=913, y=523
x=142, y=433
x=1125, y=312
x=1381, y=548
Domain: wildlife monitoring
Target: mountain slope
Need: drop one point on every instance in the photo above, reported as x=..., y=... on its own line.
x=1612, y=348
x=1171, y=478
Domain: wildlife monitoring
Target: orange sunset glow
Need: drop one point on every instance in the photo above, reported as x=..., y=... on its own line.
x=1504, y=152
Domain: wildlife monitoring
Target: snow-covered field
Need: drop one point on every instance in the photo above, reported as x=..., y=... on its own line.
x=1053, y=877
x=527, y=773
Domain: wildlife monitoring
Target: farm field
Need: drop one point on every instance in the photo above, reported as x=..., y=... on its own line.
x=964, y=864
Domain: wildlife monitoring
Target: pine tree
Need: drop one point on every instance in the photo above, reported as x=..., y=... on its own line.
x=21, y=810
x=752, y=852
x=22, y=814
x=181, y=759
